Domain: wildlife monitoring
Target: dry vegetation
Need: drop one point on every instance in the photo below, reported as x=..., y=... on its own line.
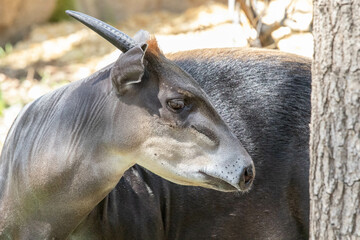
x=58, y=53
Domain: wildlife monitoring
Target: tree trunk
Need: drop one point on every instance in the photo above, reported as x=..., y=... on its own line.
x=335, y=122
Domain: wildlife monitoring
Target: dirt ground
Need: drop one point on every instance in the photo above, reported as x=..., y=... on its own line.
x=59, y=53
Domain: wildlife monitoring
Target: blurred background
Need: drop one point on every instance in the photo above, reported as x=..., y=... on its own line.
x=42, y=49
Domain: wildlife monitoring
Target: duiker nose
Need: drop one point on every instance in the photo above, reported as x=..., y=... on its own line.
x=247, y=177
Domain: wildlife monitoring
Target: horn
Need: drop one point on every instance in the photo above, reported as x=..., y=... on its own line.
x=113, y=35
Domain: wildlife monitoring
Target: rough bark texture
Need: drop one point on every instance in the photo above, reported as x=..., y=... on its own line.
x=335, y=127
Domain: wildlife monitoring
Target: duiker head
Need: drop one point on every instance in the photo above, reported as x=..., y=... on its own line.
x=178, y=133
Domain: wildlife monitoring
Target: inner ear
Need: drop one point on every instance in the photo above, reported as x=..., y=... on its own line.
x=128, y=69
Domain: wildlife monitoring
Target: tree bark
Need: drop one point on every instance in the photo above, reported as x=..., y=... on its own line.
x=335, y=122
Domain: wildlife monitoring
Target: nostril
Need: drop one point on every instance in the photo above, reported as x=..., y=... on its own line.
x=248, y=175
x=246, y=178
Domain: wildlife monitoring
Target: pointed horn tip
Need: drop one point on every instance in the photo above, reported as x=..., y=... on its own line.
x=119, y=39
x=69, y=12
x=73, y=13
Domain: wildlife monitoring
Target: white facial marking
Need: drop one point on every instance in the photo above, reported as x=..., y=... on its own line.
x=173, y=159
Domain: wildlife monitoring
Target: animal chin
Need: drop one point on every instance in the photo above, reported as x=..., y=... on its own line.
x=218, y=184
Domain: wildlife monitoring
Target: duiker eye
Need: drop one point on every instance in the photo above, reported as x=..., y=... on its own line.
x=176, y=105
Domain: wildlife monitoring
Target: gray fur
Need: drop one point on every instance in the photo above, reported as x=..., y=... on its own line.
x=264, y=96
x=67, y=150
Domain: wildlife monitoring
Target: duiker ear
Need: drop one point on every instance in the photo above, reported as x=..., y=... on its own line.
x=128, y=69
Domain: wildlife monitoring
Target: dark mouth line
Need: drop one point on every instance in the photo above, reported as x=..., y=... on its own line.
x=219, y=183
